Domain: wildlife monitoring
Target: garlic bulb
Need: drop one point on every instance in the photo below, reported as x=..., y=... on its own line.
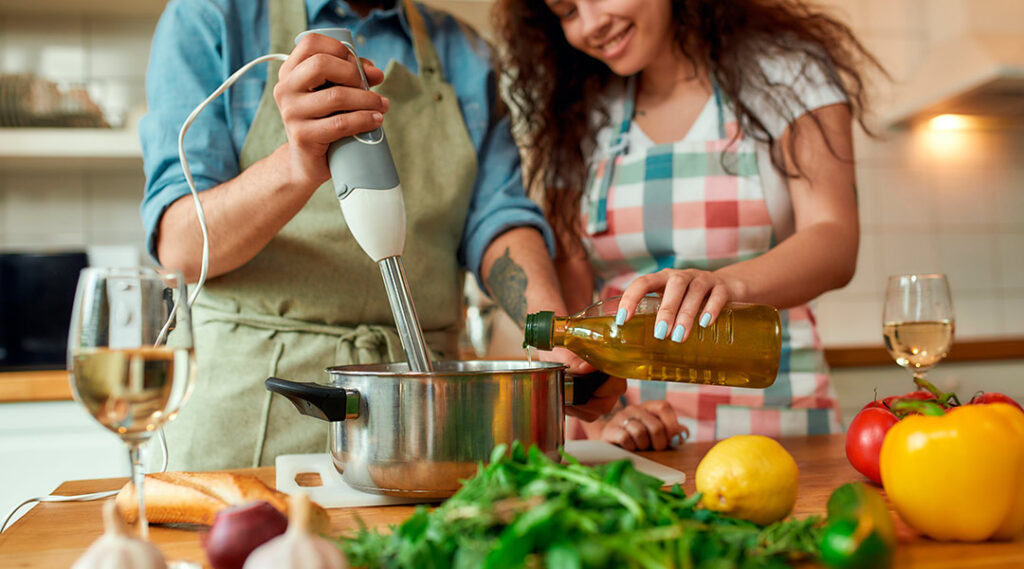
x=297, y=548
x=116, y=549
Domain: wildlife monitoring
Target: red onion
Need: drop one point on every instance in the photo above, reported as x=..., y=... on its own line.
x=237, y=530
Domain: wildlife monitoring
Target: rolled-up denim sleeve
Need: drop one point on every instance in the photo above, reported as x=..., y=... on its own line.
x=186, y=64
x=499, y=201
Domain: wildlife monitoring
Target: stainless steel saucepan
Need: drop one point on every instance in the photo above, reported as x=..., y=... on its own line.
x=403, y=433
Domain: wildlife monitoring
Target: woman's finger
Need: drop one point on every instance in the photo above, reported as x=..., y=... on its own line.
x=690, y=307
x=655, y=430
x=636, y=290
x=638, y=430
x=668, y=417
x=615, y=431
x=713, y=307
x=668, y=322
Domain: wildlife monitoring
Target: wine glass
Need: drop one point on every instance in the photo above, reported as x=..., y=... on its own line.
x=130, y=355
x=917, y=322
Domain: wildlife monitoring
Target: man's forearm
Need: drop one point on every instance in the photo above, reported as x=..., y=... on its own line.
x=242, y=215
x=520, y=276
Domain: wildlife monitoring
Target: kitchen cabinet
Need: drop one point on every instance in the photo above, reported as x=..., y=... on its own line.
x=44, y=443
x=90, y=30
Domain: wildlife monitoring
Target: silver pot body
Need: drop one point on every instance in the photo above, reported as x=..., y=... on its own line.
x=419, y=434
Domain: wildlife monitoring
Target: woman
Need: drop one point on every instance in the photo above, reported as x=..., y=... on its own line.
x=701, y=149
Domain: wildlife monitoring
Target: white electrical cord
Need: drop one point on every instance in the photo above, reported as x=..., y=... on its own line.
x=84, y=497
x=201, y=216
x=188, y=173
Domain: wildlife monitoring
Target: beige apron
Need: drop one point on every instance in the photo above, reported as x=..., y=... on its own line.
x=312, y=298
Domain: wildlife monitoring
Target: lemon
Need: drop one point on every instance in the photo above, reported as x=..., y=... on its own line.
x=749, y=477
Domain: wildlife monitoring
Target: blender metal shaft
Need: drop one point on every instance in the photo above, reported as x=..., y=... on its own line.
x=406, y=320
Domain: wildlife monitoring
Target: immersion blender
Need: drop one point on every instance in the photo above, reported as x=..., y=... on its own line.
x=368, y=189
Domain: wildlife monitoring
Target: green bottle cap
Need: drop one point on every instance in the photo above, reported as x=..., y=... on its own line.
x=538, y=330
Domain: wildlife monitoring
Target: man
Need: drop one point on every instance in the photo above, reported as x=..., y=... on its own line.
x=290, y=292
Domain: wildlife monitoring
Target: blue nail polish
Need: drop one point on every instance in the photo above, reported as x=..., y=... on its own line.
x=660, y=330
x=676, y=441
x=620, y=317
x=705, y=320
x=677, y=334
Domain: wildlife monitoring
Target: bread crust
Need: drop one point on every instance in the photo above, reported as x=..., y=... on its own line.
x=196, y=497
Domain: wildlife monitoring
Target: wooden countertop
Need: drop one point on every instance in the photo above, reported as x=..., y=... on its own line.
x=55, y=534
x=25, y=386
x=52, y=385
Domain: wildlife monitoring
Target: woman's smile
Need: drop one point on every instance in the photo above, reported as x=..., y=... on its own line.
x=614, y=48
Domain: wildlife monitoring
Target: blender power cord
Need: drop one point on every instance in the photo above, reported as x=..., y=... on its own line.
x=201, y=216
x=84, y=497
x=188, y=173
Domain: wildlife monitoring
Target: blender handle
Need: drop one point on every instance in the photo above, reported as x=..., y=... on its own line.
x=580, y=388
x=316, y=400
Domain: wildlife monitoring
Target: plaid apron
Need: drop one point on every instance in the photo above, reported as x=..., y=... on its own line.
x=700, y=204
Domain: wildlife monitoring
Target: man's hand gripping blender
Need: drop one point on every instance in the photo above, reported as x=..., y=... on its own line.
x=366, y=183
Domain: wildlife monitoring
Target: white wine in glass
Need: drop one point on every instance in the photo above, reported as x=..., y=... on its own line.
x=130, y=355
x=917, y=321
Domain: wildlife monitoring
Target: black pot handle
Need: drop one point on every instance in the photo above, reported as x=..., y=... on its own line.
x=583, y=386
x=316, y=400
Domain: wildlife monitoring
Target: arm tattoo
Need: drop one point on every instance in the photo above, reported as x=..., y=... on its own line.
x=507, y=282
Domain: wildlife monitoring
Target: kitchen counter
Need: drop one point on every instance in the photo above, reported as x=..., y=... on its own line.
x=52, y=385
x=55, y=534
x=25, y=386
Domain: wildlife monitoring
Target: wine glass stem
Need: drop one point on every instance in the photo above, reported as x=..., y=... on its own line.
x=138, y=479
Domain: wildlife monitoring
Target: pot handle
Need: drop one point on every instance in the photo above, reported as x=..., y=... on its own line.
x=316, y=400
x=580, y=388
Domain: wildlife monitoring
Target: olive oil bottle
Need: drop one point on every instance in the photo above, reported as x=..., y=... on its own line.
x=741, y=348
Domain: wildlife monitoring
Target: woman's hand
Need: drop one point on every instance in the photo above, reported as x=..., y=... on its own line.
x=652, y=425
x=683, y=294
x=321, y=98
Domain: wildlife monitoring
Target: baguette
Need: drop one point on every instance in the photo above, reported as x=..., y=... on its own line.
x=196, y=497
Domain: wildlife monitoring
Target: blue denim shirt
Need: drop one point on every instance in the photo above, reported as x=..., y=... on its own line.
x=198, y=43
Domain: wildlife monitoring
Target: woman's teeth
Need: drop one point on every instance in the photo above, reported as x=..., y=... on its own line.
x=613, y=43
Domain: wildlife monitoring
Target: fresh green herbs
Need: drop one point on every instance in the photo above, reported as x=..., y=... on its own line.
x=527, y=510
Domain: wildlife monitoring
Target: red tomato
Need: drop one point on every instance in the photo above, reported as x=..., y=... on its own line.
x=982, y=398
x=864, y=440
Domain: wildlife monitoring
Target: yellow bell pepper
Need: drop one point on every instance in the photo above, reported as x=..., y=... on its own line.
x=958, y=476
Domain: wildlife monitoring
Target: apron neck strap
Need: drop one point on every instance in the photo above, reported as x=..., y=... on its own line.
x=720, y=99
x=629, y=110
x=426, y=55
x=287, y=20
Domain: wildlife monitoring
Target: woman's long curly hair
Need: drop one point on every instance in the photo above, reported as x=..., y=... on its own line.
x=554, y=90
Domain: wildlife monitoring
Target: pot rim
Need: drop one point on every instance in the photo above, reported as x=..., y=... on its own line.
x=447, y=368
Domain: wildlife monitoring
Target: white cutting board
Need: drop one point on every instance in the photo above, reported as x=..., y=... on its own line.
x=335, y=493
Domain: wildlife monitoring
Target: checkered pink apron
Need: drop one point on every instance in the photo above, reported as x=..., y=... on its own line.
x=700, y=204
